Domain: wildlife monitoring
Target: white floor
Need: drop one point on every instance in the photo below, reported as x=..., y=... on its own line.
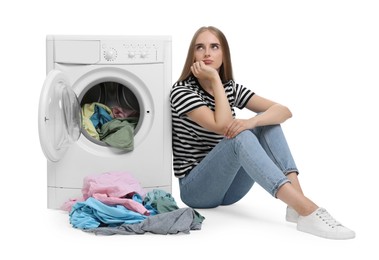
x=254, y=227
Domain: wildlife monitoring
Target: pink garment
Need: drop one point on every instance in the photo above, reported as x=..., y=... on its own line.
x=111, y=188
x=68, y=204
x=120, y=112
x=127, y=203
x=113, y=184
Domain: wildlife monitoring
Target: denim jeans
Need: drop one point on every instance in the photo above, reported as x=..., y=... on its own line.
x=228, y=172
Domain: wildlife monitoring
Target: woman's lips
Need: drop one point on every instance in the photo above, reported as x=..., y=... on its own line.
x=207, y=62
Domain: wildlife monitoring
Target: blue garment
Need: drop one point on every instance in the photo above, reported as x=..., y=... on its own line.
x=100, y=117
x=231, y=168
x=93, y=213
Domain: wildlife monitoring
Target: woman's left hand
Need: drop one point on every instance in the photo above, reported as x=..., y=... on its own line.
x=237, y=126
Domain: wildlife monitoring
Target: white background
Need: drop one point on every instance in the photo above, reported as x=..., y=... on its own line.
x=320, y=58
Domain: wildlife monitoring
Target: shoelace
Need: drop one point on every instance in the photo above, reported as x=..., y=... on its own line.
x=327, y=218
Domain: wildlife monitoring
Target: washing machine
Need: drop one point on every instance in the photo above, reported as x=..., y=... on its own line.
x=132, y=73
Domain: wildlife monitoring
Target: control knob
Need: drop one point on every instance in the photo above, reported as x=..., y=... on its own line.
x=110, y=54
x=131, y=54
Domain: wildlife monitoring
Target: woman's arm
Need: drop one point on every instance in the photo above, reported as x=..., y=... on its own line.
x=218, y=120
x=269, y=113
x=206, y=118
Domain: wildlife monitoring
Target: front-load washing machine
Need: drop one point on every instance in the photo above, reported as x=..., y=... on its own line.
x=130, y=73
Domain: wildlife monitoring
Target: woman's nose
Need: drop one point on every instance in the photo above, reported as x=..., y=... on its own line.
x=206, y=53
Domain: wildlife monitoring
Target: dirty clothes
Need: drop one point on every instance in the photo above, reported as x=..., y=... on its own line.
x=180, y=220
x=119, y=133
x=120, y=112
x=115, y=203
x=100, y=117
x=99, y=218
x=93, y=213
x=112, y=183
x=87, y=112
x=112, y=188
x=163, y=202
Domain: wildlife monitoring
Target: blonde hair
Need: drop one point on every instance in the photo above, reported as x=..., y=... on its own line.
x=226, y=71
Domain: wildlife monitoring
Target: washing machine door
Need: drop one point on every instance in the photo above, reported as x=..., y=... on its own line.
x=60, y=120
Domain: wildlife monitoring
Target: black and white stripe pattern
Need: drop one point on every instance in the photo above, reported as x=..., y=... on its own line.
x=191, y=143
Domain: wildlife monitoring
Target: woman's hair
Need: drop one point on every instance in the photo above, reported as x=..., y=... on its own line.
x=226, y=71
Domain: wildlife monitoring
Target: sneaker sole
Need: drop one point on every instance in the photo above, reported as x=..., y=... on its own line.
x=326, y=235
x=290, y=219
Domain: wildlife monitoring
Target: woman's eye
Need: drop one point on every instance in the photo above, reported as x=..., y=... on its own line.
x=215, y=46
x=199, y=48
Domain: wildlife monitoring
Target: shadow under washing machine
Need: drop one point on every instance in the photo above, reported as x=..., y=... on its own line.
x=90, y=78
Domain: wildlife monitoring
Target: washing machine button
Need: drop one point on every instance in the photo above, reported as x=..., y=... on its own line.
x=131, y=54
x=110, y=54
x=143, y=54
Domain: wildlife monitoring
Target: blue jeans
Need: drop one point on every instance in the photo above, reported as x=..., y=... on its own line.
x=228, y=172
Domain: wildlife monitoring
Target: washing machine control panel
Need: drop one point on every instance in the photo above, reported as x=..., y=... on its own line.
x=115, y=52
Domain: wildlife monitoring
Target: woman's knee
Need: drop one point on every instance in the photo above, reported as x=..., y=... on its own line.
x=199, y=204
x=245, y=136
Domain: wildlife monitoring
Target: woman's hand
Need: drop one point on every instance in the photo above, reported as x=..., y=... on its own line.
x=202, y=71
x=237, y=126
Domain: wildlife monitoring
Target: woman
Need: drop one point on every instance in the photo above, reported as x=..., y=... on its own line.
x=218, y=157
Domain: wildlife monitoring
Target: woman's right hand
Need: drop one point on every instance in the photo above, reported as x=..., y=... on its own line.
x=202, y=71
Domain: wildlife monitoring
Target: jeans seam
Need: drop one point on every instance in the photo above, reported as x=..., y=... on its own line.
x=276, y=161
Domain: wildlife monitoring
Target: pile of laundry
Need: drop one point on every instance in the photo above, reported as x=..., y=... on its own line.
x=113, y=126
x=115, y=203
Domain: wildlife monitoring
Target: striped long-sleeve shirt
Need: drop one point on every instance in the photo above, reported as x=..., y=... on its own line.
x=191, y=142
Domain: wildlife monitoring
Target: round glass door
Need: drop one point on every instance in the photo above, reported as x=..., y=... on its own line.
x=59, y=113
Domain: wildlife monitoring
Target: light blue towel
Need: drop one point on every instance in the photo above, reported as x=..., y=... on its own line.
x=93, y=213
x=100, y=117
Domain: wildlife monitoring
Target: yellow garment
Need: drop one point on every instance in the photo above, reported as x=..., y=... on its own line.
x=87, y=112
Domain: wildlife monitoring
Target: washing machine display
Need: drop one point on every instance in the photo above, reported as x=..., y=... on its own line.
x=104, y=106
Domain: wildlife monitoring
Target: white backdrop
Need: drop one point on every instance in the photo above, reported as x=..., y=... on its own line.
x=320, y=58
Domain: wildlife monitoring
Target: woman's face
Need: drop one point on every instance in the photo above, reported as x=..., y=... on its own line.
x=208, y=49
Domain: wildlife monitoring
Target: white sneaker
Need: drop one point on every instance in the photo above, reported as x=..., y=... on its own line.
x=321, y=223
x=291, y=215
